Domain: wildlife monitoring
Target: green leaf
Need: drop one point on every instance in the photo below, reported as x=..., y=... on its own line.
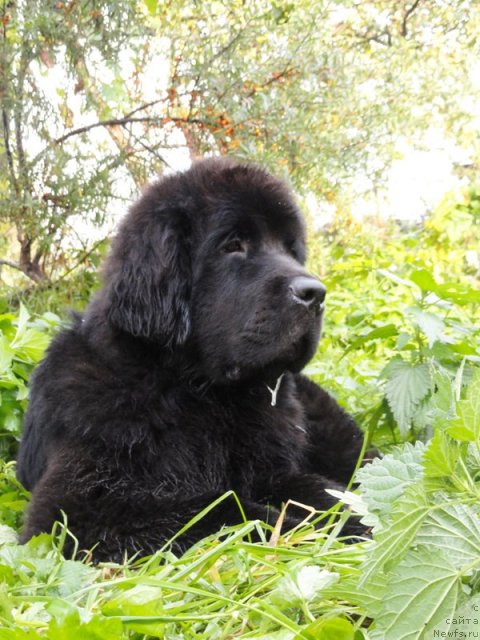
x=141, y=600
x=151, y=6
x=422, y=594
x=441, y=456
x=466, y=426
x=392, y=276
x=407, y=385
x=459, y=293
x=72, y=576
x=386, y=331
x=443, y=396
x=424, y=279
x=430, y=324
x=384, y=480
x=402, y=340
x=19, y=634
x=451, y=291
x=30, y=345
x=466, y=618
x=6, y=354
x=7, y=535
x=302, y=584
x=97, y=628
x=328, y=629
x=22, y=322
x=392, y=543
x=455, y=530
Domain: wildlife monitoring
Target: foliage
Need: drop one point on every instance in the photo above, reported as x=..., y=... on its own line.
x=60, y=297
x=138, y=85
x=424, y=567
x=22, y=343
x=402, y=319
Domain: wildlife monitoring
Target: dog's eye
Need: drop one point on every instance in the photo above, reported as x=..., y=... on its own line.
x=235, y=246
x=292, y=250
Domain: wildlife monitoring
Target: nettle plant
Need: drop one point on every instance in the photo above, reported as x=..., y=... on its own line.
x=397, y=344
x=435, y=350
x=421, y=574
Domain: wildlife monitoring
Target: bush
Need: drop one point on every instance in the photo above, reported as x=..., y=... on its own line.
x=23, y=341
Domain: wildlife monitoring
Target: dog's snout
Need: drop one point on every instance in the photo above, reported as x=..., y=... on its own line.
x=307, y=291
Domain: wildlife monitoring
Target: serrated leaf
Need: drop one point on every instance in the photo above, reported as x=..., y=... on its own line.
x=454, y=530
x=473, y=460
x=422, y=594
x=424, y=279
x=429, y=323
x=402, y=340
x=466, y=618
x=407, y=385
x=392, y=543
x=354, y=502
x=441, y=456
x=443, y=396
x=22, y=321
x=30, y=345
x=7, y=535
x=72, y=627
x=72, y=576
x=303, y=585
x=384, y=480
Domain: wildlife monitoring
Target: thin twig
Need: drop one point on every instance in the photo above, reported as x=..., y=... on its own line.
x=123, y=121
x=407, y=15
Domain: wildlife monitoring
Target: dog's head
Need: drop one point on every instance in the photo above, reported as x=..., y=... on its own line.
x=211, y=261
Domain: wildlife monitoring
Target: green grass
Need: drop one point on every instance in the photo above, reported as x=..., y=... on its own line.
x=224, y=587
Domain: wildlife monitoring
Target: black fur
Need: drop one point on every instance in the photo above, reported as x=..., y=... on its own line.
x=156, y=401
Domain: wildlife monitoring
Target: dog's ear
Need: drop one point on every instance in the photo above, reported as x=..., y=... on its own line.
x=148, y=275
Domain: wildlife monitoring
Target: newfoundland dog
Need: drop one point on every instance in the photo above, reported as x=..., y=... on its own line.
x=181, y=380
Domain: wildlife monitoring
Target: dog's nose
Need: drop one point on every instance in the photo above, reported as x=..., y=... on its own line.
x=307, y=291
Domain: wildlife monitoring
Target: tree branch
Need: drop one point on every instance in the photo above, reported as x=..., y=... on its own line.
x=144, y=106
x=5, y=123
x=407, y=15
x=82, y=258
x=375, y=37
x=12, y=265
x=126, y=120
x=8, y=151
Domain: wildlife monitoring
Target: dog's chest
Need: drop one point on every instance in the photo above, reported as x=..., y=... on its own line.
x=220, y=444
x=268, y=442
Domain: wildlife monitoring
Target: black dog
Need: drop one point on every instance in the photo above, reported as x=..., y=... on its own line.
x=181, y=381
